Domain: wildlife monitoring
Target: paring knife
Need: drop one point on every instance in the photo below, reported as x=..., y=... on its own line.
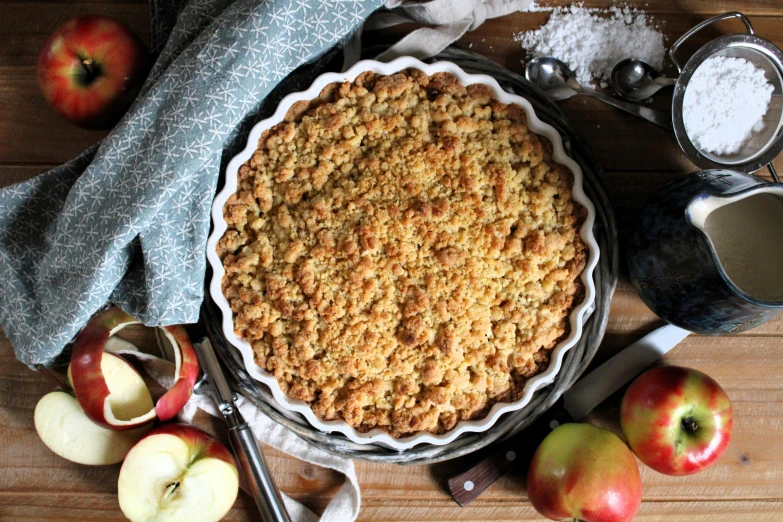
x=587, y=393
x=243, y=442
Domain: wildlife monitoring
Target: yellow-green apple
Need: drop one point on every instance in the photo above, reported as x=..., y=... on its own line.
x=91, y=383
x=90, y=70
x=63, y=426
x=583, y=472
x=177, y=473
x=677, y=420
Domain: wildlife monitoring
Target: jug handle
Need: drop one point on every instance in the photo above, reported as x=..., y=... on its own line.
x=773, y=172
x=676, y=45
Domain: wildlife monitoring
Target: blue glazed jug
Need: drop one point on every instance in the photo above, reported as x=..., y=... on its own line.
x=705, y=253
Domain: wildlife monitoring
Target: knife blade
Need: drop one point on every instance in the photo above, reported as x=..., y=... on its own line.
x=246, y=449
x=587, y=393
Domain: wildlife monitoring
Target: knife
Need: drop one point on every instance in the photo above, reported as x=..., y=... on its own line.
x=587, y=393
x=246, y=449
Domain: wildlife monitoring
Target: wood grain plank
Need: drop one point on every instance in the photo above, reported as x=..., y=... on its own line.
x=30, y=130
x=17, y=507
x=10, y=174
x=758, y=511
x=88, y=507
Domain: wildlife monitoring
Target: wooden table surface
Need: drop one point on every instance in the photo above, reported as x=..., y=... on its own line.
x=747, y=483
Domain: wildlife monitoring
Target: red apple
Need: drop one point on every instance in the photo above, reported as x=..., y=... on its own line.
x=90, y=379
x=583, y=472
x=677, y=420
x=175, y=473
x=90, y=70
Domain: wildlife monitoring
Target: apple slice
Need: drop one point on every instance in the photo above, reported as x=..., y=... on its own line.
x=66, y=430
x=177, y=473
x=90, y=381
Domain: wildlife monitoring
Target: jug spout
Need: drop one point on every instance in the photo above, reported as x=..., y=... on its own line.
x=744, y=232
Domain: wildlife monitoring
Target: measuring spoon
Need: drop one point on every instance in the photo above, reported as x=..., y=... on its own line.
x=637, y=80
x=558, y=82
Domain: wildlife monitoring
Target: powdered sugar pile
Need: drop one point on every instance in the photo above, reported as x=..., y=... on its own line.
x=592, y=41
x=725, y=103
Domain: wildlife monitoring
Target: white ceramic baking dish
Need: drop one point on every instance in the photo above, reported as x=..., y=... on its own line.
x=378, y=436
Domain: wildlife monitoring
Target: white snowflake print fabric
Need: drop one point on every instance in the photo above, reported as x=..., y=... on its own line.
x=128, y=222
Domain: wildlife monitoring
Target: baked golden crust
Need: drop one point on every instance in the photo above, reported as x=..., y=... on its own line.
x=403, y=252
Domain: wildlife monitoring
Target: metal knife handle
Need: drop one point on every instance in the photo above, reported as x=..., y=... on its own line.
x=259, y=481
x=662, y=119
x=517, y=452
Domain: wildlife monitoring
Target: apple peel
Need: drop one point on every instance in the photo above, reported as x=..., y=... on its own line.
x=129, y=395
x=89, y=381
x=185, y=373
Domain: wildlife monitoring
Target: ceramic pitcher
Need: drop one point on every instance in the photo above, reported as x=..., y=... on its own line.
x=704, y=253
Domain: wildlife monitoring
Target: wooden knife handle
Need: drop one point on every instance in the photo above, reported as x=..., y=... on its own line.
x=517, y=452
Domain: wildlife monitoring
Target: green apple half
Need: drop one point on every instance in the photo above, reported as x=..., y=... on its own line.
x=583, y=472
x=177, y=473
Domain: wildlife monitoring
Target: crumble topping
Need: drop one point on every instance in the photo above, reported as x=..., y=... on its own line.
x=402, y=252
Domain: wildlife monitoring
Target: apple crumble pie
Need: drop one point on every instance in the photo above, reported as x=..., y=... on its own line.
x=402, y=252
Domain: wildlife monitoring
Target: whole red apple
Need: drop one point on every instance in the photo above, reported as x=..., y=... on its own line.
x=677, y=420
x=90, y=70
x=583, y=472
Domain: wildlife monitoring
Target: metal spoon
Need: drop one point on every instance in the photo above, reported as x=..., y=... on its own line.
x=558, y=82
x=637, y=80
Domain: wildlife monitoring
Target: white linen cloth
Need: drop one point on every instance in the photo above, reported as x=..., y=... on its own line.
x=451, y=19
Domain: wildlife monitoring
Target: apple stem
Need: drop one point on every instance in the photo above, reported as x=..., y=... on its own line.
x=88, y=66
x=689, y=425
x=90, y=71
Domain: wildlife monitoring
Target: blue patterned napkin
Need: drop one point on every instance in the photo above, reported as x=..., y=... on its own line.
x=128, y=220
